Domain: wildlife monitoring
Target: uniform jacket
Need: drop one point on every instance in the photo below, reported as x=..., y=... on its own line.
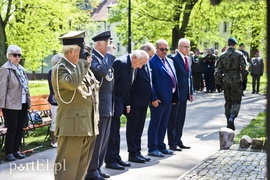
x=161, y=80
x=75, y=118
x=123, y=81
x=185, y=82
x=141, y=88
x=230, y=64
x=101, y=67
x=11, y=88
x=256, y=66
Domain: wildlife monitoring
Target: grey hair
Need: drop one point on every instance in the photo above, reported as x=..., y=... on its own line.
x=13, y=49
x=66, y=48
x=55, y=59
x=139, y=54
x=147, y=47
x=183, y=40
x=161, y=41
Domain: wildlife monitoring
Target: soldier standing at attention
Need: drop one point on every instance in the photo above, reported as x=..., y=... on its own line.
x=231, y=63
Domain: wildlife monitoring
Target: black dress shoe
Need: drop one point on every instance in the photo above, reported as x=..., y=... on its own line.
x=114, y=166
x=104, y=175
x=10, y=157
x=136, y=159
x=145, y=158
x=18, y=155
x=184, y=147
x=122, y=163
x=174, y=148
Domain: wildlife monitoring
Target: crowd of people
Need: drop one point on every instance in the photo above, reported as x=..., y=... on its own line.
x=90, y=89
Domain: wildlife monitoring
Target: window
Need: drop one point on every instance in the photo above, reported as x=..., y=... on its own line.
x=216, y=45
x=118, y=47
x=225, y=27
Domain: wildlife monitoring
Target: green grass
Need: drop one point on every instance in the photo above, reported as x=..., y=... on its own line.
x=38, y=87
x=256, y=128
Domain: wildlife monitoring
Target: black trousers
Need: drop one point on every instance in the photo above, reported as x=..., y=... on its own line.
x=104, y=127
x=113, y=150
x=135, y=125
x=256, y=81
x=14, y=121
x=176, y=123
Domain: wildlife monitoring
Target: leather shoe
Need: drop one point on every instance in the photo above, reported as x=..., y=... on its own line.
x=174, y=148
x=136, y=159
x=104, y=175
x=145, y=158
x=122, y=163
x=18, y=155
x=156, y=153
x=10, y=157
x=114, y=166
x=166, y=151
x=184, y=147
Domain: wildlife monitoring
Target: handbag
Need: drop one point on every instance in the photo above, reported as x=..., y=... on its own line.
x=35, y=118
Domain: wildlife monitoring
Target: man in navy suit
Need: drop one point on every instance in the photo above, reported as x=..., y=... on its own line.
x=182, y=65
x=124, y=74
x=164, y=93
x=140, y=96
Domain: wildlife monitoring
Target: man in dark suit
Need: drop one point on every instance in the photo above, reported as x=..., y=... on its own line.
x=140, y=97
x=163, y=90
x=124, y=74
x=182, y=65
x=101, y=66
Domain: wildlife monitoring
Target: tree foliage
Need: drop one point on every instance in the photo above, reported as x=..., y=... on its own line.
x=36, y=26
x=193, y=19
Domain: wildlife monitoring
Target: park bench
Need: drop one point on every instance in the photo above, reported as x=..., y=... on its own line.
x=38, y=104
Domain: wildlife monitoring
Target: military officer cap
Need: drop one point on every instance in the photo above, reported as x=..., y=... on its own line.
x=232, y=40
x=73, y=37
x=241, y=44
x=102, y=36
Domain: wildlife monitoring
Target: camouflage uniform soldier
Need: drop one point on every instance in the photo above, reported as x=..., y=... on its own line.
x=231, y=64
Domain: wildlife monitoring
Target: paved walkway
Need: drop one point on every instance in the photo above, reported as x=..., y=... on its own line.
x=205, y=116
x=229, y=165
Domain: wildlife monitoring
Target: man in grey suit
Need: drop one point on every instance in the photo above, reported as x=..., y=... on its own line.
x=76, y=92
x=102, y=68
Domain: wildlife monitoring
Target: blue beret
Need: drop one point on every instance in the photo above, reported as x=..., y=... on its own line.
x=102, y=36
x=232, y=39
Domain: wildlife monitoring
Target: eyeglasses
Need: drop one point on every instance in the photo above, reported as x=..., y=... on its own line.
x=16, y=55
x=163, y=49
x=186, y=47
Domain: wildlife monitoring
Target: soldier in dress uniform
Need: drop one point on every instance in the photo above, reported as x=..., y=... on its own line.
x=231, y=63
x=102, y=68
x=76, y=92
x=256, y=71
x=245, y=71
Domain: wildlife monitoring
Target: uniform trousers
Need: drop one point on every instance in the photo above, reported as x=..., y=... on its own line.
x=14, y=121
x=256, y=81
x=104, y=127
x=233, y=97
x=73, y=157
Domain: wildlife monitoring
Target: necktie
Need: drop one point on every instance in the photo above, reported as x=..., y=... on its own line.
x=132, y=75
x=186, y=63
x=170, y=73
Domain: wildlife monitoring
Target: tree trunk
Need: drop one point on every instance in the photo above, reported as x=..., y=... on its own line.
x=3, y=43
x=180, y=32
